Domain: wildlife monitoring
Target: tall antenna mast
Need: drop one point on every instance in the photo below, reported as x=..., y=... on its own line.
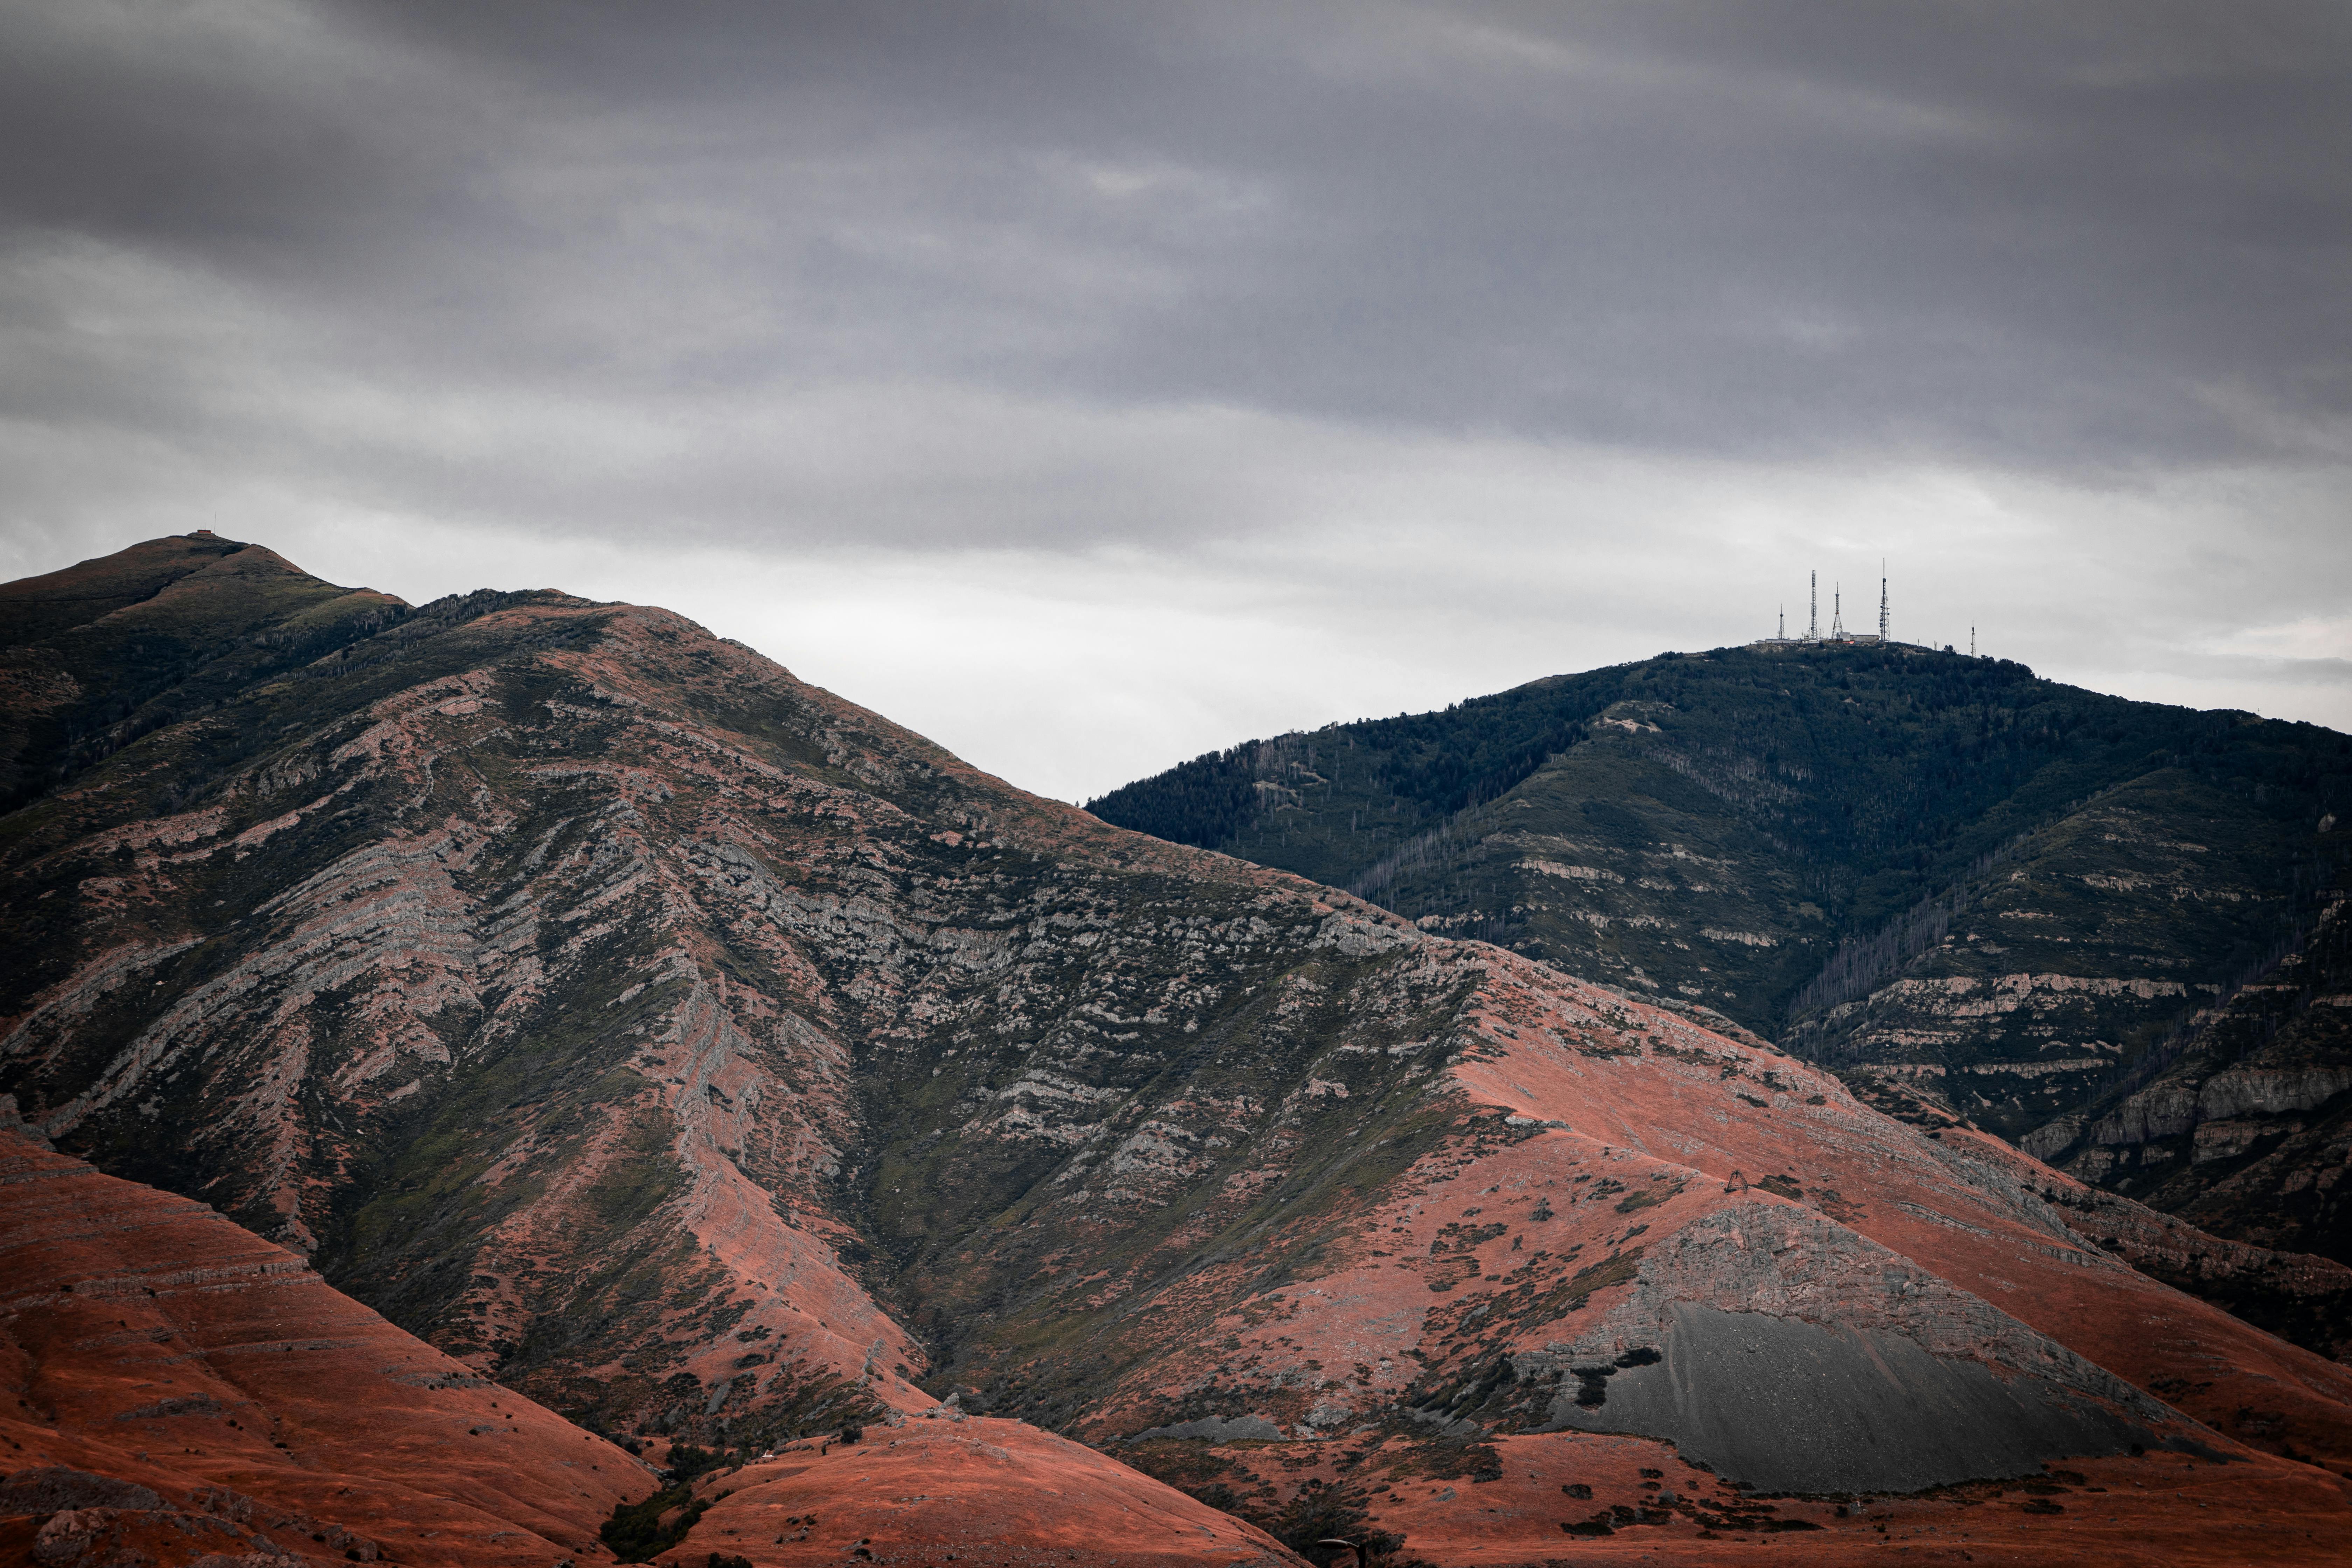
x=1784, y=625
x=1813, y=609
x=1972, y=639
x=1882, y=602
x=1837, y=612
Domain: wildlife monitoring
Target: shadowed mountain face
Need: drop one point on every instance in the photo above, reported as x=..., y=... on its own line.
x=704, y=1056
x=1974, y=893
x=2243, y=1123
x=98, y=654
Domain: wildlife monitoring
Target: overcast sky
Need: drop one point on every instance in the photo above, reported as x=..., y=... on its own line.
x=1087, y=386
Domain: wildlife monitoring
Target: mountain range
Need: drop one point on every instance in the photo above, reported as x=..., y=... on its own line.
x=585, y=1020
x=1975, y=894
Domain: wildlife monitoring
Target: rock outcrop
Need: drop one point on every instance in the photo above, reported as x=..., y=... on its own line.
x=711, y=1060
x=2242, y=1125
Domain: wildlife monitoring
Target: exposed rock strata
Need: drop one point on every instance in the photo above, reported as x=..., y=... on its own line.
x=700, y=1054
x=2244, y=1125
x=1978, y=894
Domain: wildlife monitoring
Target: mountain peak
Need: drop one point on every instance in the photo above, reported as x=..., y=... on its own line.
x=97, y=653
x=722, y=1066
x=1866, y=852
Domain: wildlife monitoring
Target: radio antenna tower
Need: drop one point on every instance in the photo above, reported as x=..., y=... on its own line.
x=1813, y=609
x=1784, y=625
x=1882, y=607
x=1837, y=612
x=1972, y=639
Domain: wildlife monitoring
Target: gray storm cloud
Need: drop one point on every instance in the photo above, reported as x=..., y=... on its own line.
x=1662, y=296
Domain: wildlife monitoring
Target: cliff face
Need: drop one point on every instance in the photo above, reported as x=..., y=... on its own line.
x=2242, y=1122
x=699, y=1054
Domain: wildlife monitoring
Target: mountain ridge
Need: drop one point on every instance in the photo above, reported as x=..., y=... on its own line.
x=1982, y=895
x=716, y=1062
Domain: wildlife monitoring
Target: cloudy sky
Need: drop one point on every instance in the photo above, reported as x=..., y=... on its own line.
x=1087, y=385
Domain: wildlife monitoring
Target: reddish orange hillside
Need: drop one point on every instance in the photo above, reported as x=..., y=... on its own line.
x=178, y=1389
x=249, y=1405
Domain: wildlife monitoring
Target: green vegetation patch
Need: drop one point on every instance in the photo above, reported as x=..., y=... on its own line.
x=637, y=1532
x=1650, y=1196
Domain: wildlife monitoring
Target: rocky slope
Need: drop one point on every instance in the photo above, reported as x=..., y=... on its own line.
x=1977, y=894
x=699, y=1054
x=2242, y=1122
x=188, y=1396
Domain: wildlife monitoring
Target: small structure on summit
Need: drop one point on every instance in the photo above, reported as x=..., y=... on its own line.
x=1837, y=635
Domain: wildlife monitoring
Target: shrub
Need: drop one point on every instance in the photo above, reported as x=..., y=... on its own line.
x=1217, y=1495
x=1321, y=1512
x=635, y=1532
x=686, y=1461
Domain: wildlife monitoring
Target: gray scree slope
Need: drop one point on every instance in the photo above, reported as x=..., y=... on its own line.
x=1878, y=1411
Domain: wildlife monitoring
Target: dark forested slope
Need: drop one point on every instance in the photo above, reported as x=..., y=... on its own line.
x=1969, y=888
